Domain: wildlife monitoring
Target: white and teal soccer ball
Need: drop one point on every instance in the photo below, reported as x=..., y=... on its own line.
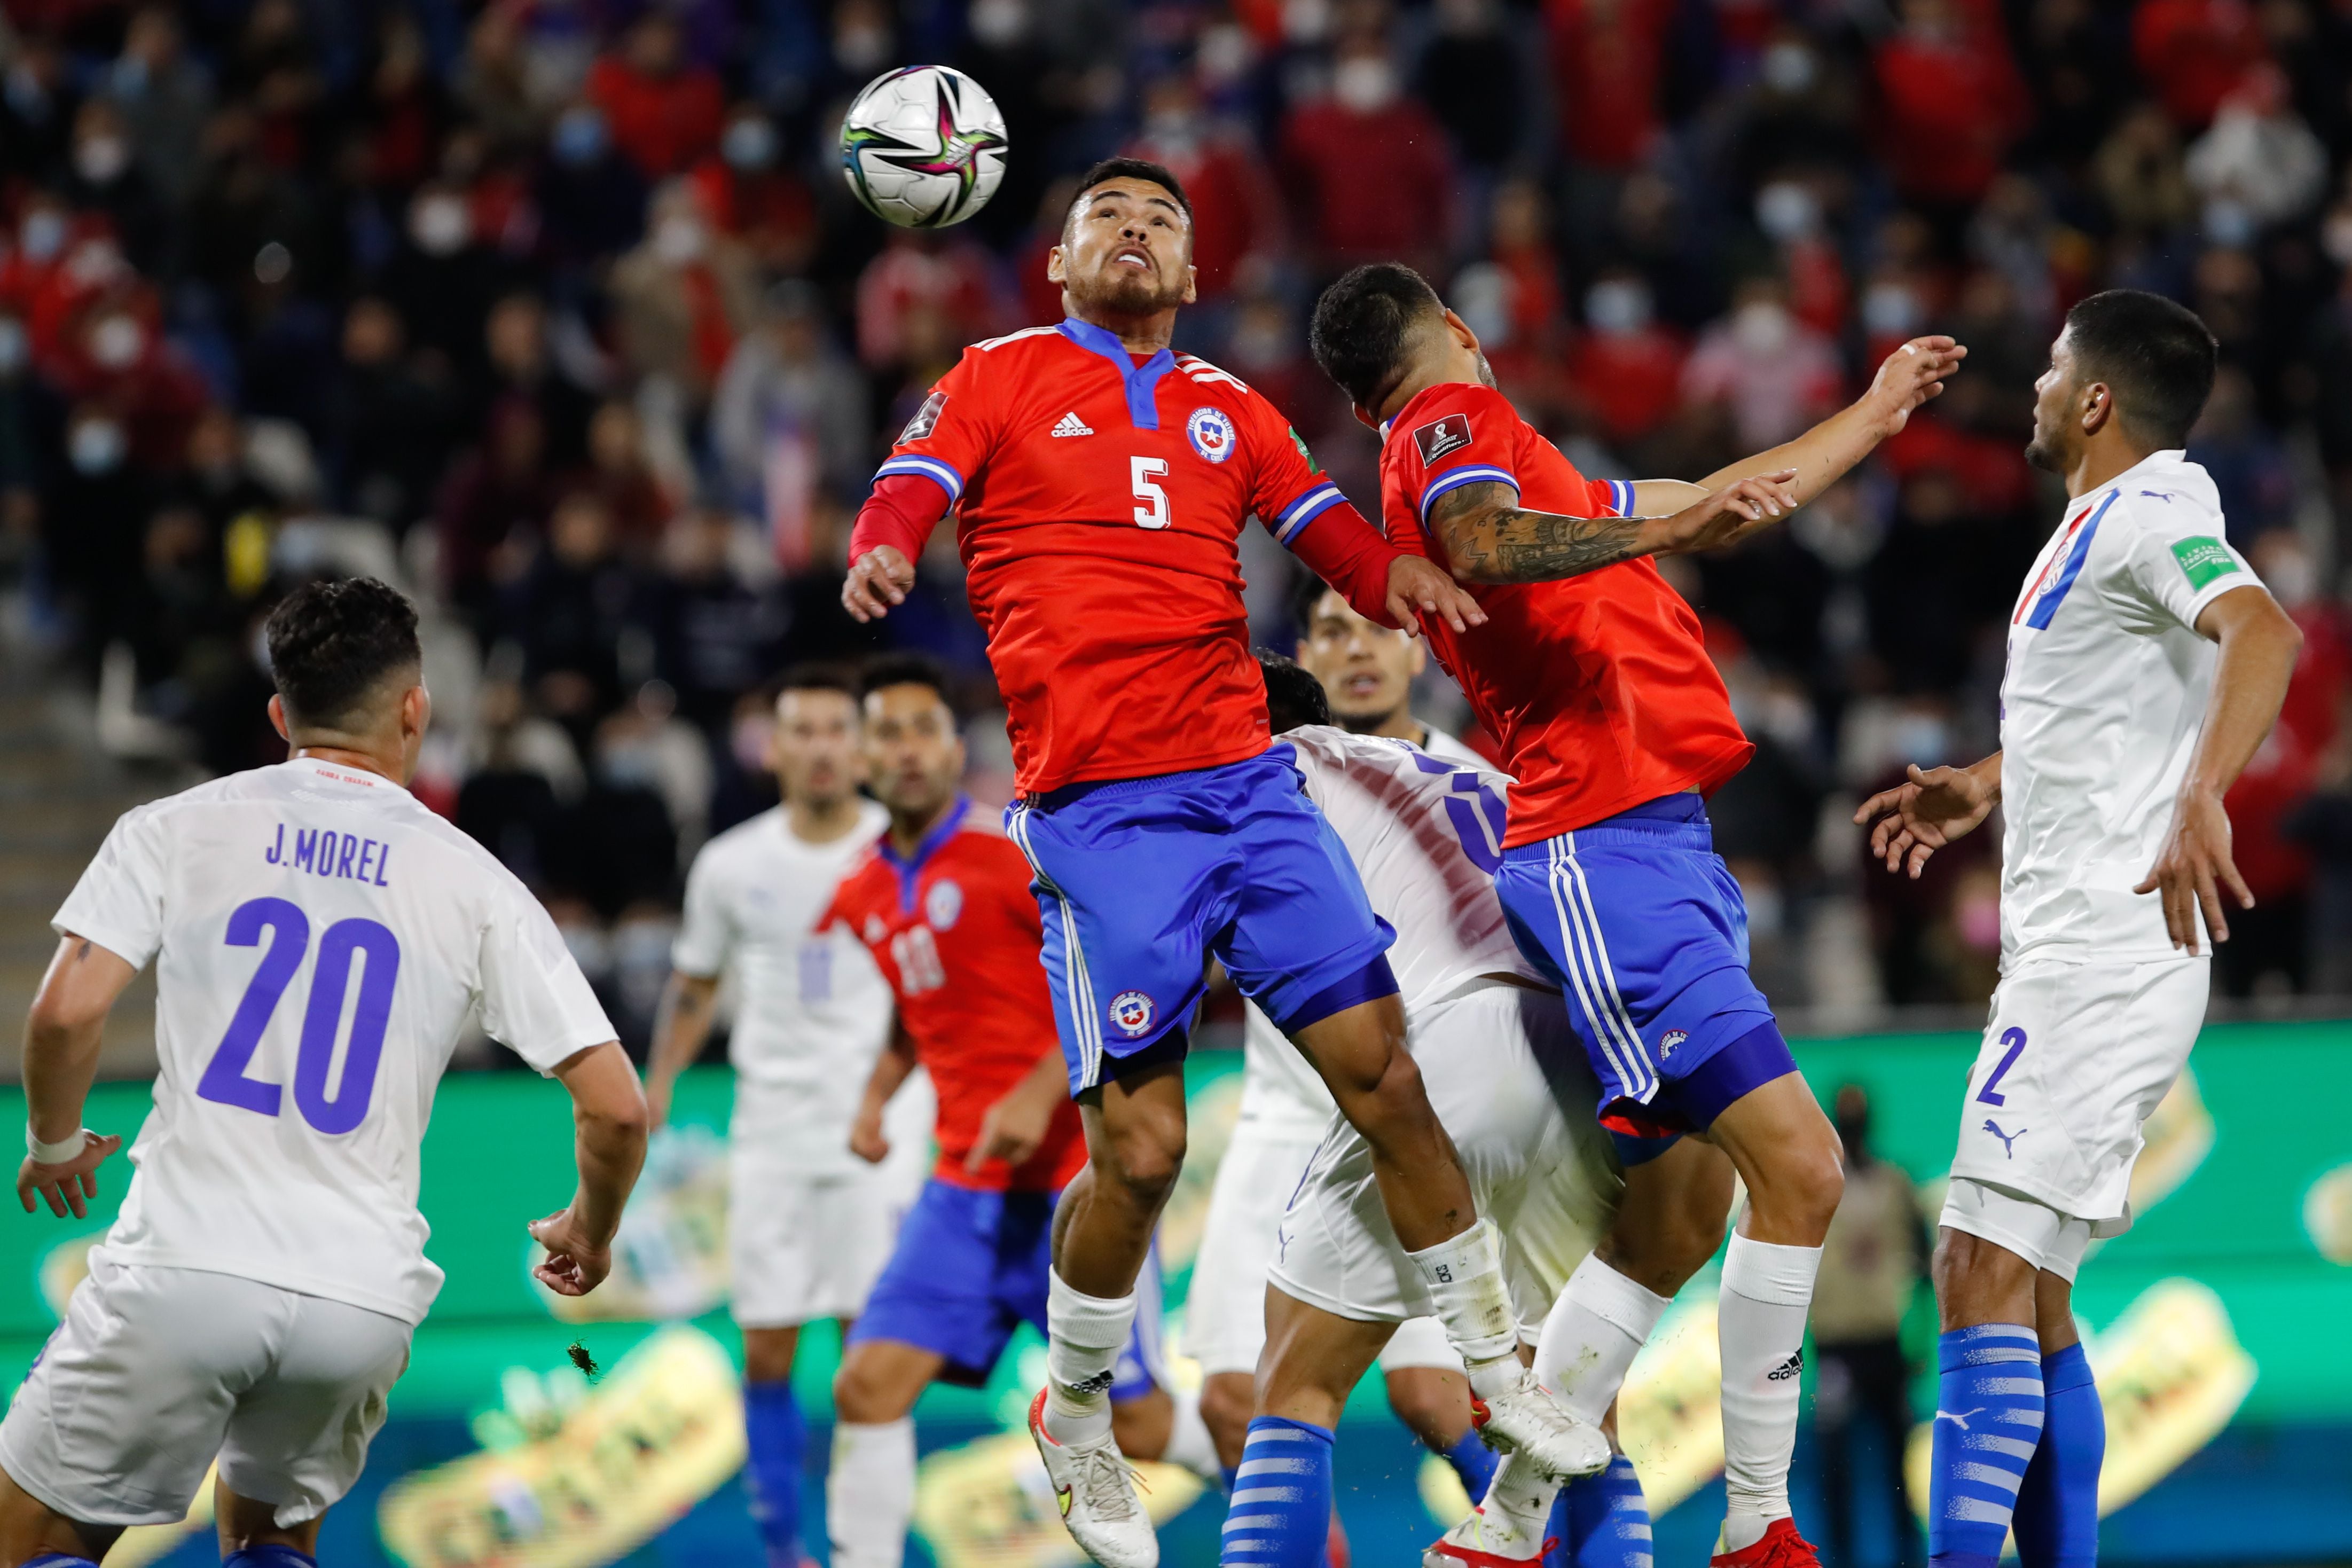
x=923, y=147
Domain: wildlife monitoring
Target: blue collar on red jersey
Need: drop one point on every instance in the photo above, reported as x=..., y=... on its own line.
x=1142, y=380
x=911, y=867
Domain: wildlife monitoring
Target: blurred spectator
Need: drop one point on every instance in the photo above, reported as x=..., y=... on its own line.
x=501, y=492
x=2249, y=465
x=1472, y=76
x=2259, y=157
x=786, y=381
x=755, y=197
x=638, y=502
x=164, y=98
x=570, y=606
x=1773, y=374
x=720, y=632
x=1626, y=368
x=492, y=82
x=663, y=112
x=517, y=340
x=1951, y=99
x=1607, y=60
x=445, y=275
x=1872, y=1265
x=590, y=199
x=1235, y=212
x=2194, y=52
x=914, y=275
x=682, y=296
x=391, y=420
x=1367, y=168
x=2140, y=174
x=105, y=177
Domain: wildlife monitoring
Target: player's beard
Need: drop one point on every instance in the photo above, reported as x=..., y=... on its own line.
x=2043, y=454
x=1115, y=289
x=1487, y=373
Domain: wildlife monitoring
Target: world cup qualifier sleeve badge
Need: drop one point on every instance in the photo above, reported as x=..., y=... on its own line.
x=1211, y=431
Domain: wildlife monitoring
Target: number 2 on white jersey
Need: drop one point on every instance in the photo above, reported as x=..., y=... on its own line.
x=1143, y=470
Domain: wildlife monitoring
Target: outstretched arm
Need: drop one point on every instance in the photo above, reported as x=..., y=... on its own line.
x=1937, y=805
x=2259, y=644
x=1490, y=538
x=62, y=1040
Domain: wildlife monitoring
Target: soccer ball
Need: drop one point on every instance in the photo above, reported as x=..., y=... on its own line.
x=923, y=147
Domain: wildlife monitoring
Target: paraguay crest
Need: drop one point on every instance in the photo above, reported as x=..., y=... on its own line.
x=1211, y=431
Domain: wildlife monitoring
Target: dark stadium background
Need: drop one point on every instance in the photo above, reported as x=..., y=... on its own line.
x=558, y=313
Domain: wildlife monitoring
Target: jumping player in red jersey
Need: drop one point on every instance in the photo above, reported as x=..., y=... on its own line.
x=1615, y=725
x=942, y=901
x=1100, y=484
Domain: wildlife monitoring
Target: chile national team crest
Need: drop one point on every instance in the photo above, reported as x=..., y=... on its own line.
x=1133, y=1011
x=942, y=904
x=1211, y=431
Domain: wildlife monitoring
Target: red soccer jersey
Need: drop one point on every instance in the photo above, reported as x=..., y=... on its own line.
x=1598, y=688
x=1100, y=506
x=956, y=931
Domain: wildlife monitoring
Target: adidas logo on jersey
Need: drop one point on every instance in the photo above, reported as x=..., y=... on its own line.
x=1071, y=425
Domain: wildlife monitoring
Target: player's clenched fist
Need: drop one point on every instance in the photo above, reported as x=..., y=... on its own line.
x=1910, y=376
x=1417, y=588
x=877, y=580
x=575, y=1263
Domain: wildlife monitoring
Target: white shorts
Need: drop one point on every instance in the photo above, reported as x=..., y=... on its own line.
x=156, y=1371
x=804, y=1246
x=1224, y=1310
x=2075, y=1061
x=2034, y=1230
x=1507, y=1075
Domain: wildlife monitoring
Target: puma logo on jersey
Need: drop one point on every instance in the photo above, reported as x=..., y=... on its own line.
x=1439, y=437
x=1960, y=1421
x=1071, y=425
x=2007, y=1139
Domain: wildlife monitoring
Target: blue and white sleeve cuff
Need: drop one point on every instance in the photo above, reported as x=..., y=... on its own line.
x=1454, y=479
x=931, y=468
x=1293, y=518
x=1621, y=497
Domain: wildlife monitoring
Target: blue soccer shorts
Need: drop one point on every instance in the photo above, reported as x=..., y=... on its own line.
x=1139, y=882
x=1643, y=926
x=970, y=1267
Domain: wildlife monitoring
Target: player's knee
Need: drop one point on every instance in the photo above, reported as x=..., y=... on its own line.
x=1432, y=1404
x=1804, y=1182
x=768, y=1354
x=863, y=1396
x=1145, y=1158
x=1979, y=1281
x=1393, y=1103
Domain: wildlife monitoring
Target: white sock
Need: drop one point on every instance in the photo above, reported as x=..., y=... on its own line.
x=869, y=1496
x=1600, y=1324
x=1761, y=1327
x=1516, y=1509
x=1084, y=1336
x=1464, y=1276
x=1189, y=1445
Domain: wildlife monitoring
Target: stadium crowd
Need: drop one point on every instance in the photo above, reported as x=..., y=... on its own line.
x=560, y=313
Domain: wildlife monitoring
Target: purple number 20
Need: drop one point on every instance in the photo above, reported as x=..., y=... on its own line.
x=2015, y=1040
x=225, y=1081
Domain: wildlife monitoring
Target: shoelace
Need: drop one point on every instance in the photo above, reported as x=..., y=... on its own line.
x=1104, y=1482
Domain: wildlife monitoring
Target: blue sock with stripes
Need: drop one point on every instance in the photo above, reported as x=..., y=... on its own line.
x=774, y=1434
x=1280, y=1515
x=271, y=1556
x=2058, y=1506
x=1473, y=1462
x=1988, y=1424
x=1602, y=1521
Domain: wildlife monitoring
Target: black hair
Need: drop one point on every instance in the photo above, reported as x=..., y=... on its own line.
x=1292, y=696
x=1306, y=591
x=907, y=669
x=332, y=644
x=1134, y=168
x=817, y=675
x=1364, y=324
x=2154, y=354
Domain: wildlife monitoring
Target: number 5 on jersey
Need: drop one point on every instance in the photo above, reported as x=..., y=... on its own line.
x=1154, y=512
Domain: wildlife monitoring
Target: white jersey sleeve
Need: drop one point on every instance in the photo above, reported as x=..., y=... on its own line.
x=535, y=1000
x=706, y=933
x=118, y=902
x=2175, y=562
x=1426, y=836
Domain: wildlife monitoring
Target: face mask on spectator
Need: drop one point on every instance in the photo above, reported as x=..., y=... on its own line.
x=116, y=342
x=1788, y=69
x=1760, y=328
x=1173, y=131
x=2288, y=574
x=96, y=447
x=13, y=346
x=1619, y=307
x=579, y=136
x=42, y=234
x=1365, y=85
x=677, y=241
x=750, y=144
x=101, y=159
x=1920, y=737
x=440, y=225
x=1890, y=309
x=1787, y=212
x=997, y=22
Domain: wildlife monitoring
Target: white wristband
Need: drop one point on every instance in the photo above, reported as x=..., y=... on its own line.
x=59, y=1153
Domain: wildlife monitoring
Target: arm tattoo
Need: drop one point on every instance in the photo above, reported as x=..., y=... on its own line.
x=1489, y=540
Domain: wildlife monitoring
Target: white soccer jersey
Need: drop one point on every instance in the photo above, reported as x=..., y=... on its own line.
x=1425, y=833
x=812, y=1012
x=2105, y=692
x=322, y=940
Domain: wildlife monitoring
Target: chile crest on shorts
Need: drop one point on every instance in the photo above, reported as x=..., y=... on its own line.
x=1211, y=431
x=1133, y=1011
